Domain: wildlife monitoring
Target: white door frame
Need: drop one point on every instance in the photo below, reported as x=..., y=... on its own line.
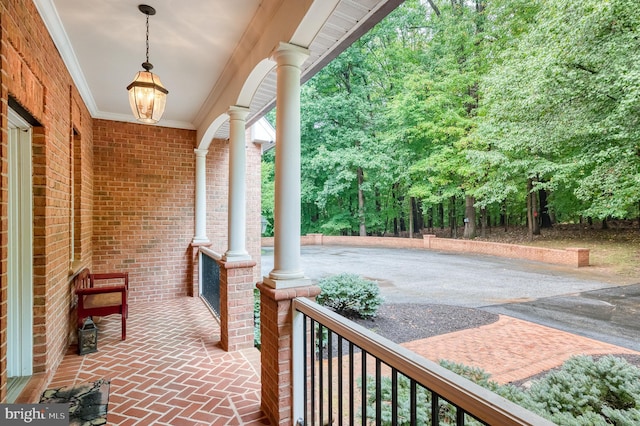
x=20, y=250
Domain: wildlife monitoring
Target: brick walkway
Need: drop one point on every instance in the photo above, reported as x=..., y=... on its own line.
x=511, y=349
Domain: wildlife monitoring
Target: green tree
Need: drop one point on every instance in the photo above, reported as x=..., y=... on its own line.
x=353, y=179
x=563, y=106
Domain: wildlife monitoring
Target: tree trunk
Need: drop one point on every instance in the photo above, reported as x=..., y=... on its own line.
x=452, y=218
x=441, y=215
x=361, y=217
x=483, y=222
x=532, y=210
x=410, y=217
x=418, y=215
x=434, y=7
x=430, y=218
x=504, y=218
x=545, y=217
x=469, y=218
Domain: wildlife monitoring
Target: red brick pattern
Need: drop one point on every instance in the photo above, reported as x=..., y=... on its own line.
x=275, y=327
x=217, y=199
x=511, y=349
x=236, y=305
x=254, y=203
x=171, y=369
x=143, y=218
x=572, y=256
x=577, y=257
x=34, y=76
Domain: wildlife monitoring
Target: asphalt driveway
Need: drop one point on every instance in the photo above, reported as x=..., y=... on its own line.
x=571, y=299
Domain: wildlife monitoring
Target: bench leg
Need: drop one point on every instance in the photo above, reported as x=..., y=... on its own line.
x=124, y=327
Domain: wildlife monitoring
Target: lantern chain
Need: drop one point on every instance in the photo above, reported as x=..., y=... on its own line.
x=147, y=38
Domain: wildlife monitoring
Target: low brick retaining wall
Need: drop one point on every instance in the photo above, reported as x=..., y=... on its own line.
x=577, y=257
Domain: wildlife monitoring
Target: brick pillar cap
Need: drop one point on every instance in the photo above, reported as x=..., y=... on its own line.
x=288, y=293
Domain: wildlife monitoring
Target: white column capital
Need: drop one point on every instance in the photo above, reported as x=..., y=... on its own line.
x=290, y=54
x=237, y=112
x=201, y=152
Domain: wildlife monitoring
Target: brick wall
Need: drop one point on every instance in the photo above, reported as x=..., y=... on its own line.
x=143, y=223
x=35, y=78
x=254, y=201
x=571, y=256
x=217, y=199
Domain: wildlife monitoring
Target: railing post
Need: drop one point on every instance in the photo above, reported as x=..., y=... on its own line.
x=298, y=365
x=280, y=368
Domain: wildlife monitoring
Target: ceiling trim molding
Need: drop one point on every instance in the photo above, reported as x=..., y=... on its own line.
x=49, y=15
x=128, y=118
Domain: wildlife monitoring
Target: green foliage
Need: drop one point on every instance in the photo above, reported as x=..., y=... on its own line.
x=583, y=392
x=559, y=103
x=446, y=100
x=350, y=295
x=268, y=190
x=424, y=400
x=608, y=388
x=423, y=412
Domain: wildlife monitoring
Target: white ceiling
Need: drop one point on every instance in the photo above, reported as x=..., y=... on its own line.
x=191, y=44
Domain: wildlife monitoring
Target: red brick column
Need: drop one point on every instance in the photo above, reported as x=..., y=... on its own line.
x=236, y=304
x=580, y=256
x=275, y=351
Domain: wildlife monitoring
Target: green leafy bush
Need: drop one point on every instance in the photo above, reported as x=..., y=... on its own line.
x=350, y=295
x=582, y=392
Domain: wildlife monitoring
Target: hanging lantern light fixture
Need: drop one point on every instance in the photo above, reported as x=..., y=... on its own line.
x=147, y=95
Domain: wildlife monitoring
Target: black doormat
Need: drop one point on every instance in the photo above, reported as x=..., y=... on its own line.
x=87, y=401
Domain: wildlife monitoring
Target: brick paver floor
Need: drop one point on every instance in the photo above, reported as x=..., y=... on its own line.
x=170, y=370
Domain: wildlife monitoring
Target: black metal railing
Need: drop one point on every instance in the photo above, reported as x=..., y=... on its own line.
x=210, y=279
x=345, y=374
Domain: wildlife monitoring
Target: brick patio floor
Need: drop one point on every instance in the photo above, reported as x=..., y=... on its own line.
x=170, y=370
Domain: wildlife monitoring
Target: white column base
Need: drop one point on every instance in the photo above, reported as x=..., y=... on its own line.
x=287, y=283
x=231, y=256
x=200, y=240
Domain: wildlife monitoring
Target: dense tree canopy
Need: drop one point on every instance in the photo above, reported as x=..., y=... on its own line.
x=526, y=111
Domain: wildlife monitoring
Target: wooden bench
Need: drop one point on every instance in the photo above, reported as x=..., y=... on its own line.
x=101, y=295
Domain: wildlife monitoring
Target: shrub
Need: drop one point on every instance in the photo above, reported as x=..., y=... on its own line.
x=350, y=295
x=583, y=392
x=608, y=388
x=446, y=411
